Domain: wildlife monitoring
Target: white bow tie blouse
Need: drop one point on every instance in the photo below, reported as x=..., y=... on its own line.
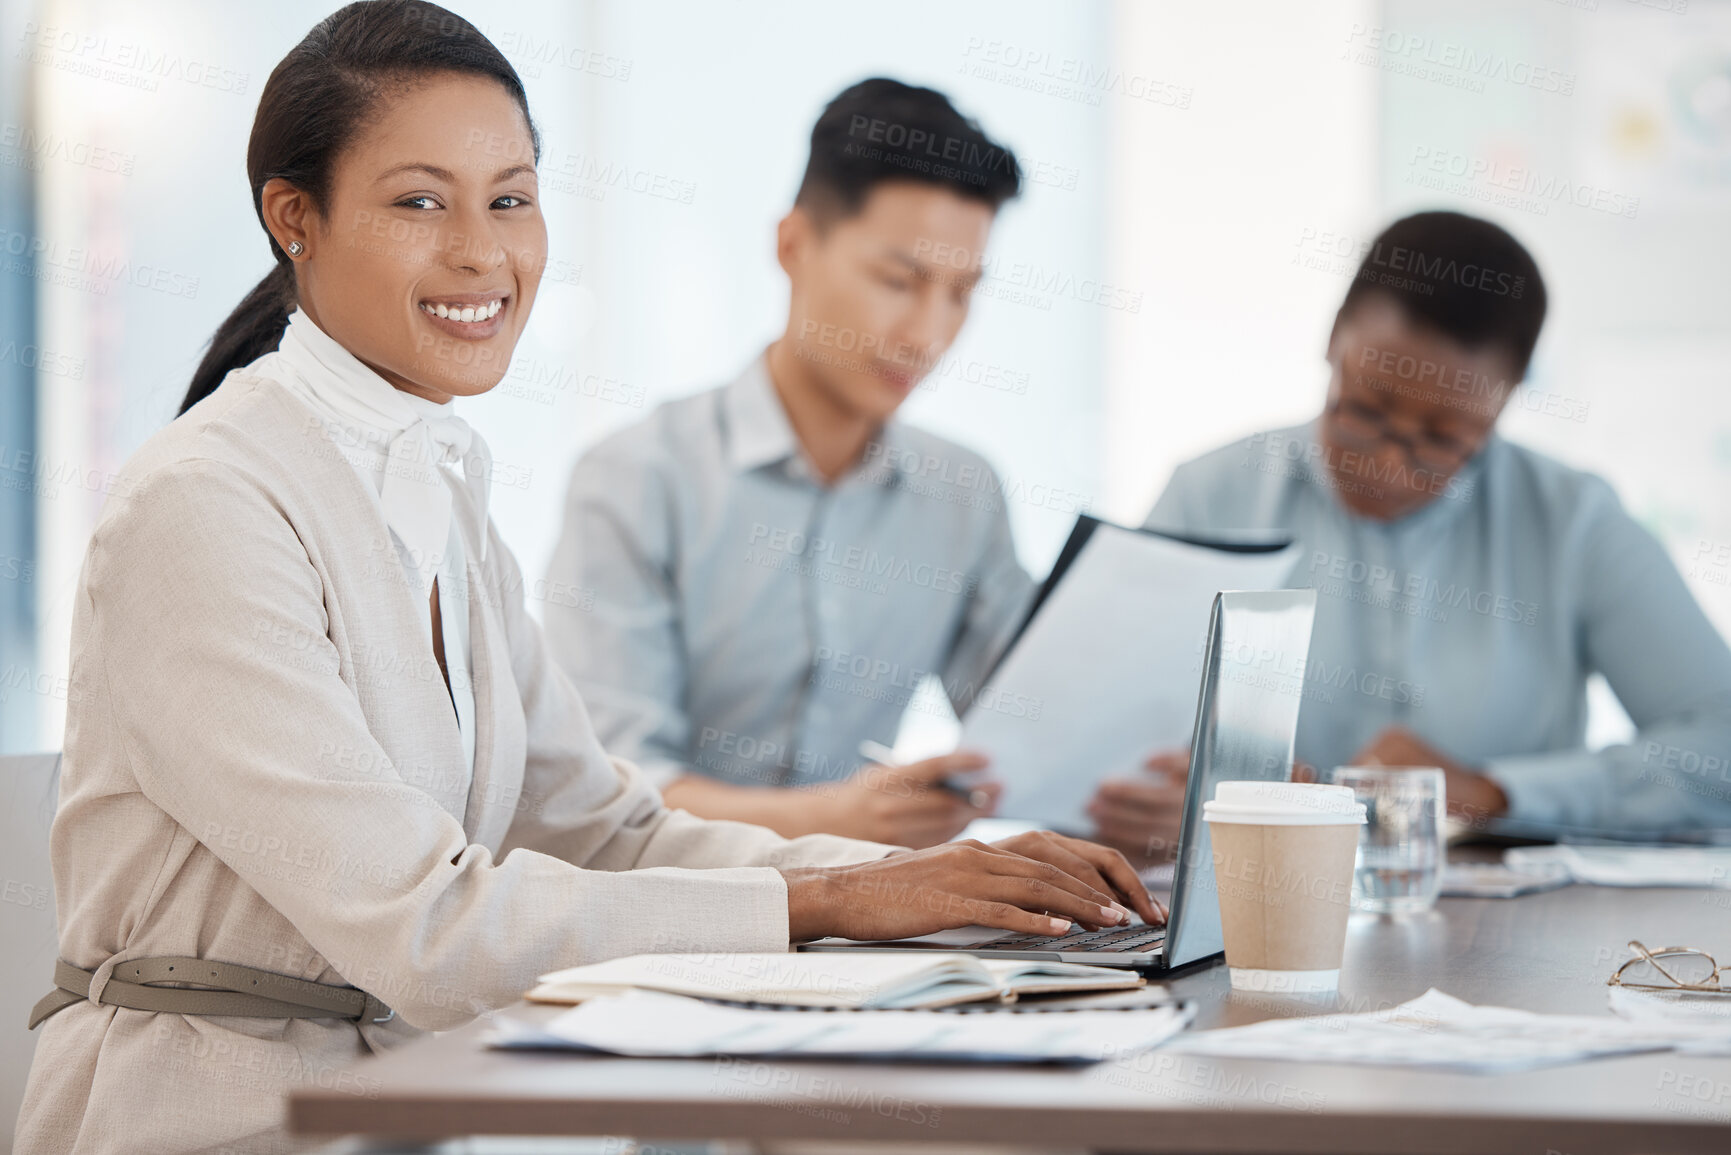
x=406, y=447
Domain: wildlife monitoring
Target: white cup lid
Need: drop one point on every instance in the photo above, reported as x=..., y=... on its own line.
x=1283, y=804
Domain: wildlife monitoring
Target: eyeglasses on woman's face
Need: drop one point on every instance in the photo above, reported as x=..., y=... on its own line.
x=1366, y=428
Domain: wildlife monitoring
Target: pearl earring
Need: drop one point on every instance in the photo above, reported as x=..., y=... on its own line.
x=296, y=248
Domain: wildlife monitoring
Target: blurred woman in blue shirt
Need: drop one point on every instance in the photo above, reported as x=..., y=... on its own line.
x=1468, y=586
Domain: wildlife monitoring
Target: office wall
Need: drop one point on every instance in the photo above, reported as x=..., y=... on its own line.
x=1202, y=176
x=1216, y=209
x=1613, y=162
x=1597, y=131
x=668, y=160
x=676, y=288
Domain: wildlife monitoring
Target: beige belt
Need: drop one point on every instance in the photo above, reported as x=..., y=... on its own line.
x=239, y=990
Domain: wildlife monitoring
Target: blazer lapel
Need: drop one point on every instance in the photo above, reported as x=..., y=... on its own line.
x=395, y=658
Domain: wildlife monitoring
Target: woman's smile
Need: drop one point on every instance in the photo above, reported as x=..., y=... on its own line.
x=469, y=316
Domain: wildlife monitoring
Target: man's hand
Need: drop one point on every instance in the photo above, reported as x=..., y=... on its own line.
x=904, y=805
x=1471, y=796
x=1142, y=815
x=963, y=884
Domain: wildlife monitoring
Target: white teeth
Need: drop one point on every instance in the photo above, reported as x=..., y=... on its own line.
x=469, y=313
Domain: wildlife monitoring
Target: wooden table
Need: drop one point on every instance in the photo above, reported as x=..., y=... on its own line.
x=1546, y=952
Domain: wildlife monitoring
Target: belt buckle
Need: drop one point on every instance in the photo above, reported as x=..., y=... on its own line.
x=371, y=1008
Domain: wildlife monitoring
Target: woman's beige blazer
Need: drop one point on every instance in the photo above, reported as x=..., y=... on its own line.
x=262, y=766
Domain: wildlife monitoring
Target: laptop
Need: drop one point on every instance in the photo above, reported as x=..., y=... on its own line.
x=1245, y=728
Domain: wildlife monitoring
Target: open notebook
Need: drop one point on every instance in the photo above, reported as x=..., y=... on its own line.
x=863, y=980
x=650, y=1024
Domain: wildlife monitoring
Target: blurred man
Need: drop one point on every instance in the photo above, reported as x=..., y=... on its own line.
x=777, y=563
x=1468, y=587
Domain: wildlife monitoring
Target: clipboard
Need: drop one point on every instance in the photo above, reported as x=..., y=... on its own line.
x=1105, y=666
x=1246, y=542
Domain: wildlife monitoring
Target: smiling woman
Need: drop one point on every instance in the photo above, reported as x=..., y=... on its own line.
x=425, y=271
x=323, y=788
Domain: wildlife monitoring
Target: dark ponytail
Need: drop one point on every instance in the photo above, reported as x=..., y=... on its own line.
x=314, y=103
x=252, y=330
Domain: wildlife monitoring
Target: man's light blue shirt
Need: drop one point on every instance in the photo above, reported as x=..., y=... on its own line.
x=742, y=620
x=1476, y=620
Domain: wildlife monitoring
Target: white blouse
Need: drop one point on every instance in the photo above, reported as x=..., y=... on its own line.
x=390, y=437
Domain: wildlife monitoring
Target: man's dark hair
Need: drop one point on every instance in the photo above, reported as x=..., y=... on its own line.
x=1461, y=276
x=883, y=130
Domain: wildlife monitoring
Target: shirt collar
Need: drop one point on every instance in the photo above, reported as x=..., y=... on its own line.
x=755, y=425
x=757, y=433
x=345, y=384
x=415, y=436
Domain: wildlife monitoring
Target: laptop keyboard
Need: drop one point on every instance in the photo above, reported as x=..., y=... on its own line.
x=1120, y=938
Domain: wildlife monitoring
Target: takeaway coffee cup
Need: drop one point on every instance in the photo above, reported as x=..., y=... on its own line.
x=1283, y=863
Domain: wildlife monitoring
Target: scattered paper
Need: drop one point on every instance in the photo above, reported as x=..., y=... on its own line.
x=1493, y=880
x=1440, y=1031
x=651, y=1024
x=1703, y=1019
x=1691, y=866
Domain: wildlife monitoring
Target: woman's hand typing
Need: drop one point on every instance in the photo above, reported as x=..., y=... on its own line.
x=1037, y=883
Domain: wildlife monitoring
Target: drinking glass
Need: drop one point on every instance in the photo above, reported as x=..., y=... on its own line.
x=1400, y=847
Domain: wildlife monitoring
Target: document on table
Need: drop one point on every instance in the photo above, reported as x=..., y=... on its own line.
x=1107, y=670
x=1704, y=1018
x=1690, y=866
x=654, y=1025
x=1438, y=1030
x=1498, y=880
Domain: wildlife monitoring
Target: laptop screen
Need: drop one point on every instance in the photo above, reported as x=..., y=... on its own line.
x=1246, y=724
